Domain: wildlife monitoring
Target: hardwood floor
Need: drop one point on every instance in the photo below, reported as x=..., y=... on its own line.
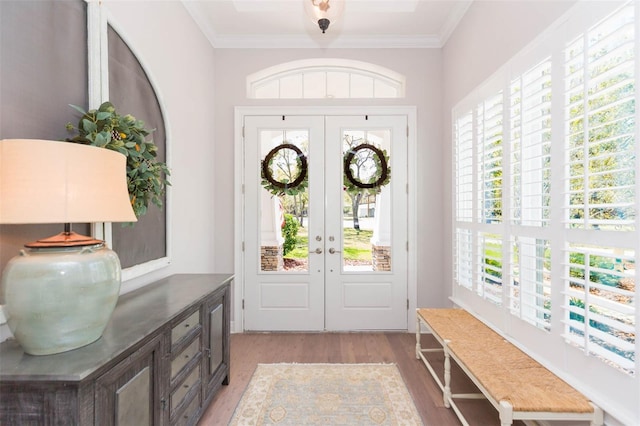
x=250, y=349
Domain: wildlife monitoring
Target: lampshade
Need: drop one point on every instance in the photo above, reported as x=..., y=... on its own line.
x=323, y=12
x=62, y=182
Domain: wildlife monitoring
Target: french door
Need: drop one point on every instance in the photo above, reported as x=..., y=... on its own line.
x=325, y=223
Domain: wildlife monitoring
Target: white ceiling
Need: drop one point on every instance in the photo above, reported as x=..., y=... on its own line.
x=364, y=23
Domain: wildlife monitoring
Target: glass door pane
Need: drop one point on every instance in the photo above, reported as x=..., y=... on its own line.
x=366, y=231
x=284, y=200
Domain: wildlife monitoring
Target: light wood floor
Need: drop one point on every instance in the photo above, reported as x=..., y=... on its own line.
x=250, y=349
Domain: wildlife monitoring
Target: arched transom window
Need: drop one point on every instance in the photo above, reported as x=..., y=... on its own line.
x=325, y=78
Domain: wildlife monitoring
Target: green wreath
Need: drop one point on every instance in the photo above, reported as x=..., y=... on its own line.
x=380, y=178
x=285, y=187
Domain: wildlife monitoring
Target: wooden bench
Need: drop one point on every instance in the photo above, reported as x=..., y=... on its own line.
x=516, y=385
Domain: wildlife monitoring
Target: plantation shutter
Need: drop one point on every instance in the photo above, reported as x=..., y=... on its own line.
x=463, y=134
x=530, y=114
x=530, y=284
x=490, y=267
x=601, y=119
x=489, y=128
x=530, y=153
x=464, y=167
x=593, y=272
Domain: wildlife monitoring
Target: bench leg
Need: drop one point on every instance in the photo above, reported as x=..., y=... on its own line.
x=598, y=416
x=447, y=375
x=418, y=346
x=506, y=414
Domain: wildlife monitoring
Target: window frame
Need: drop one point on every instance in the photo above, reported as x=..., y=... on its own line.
x=290, y=77
x=98, y=22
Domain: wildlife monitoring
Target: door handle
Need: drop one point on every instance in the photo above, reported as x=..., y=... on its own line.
x=333, y=251
x=318, y=251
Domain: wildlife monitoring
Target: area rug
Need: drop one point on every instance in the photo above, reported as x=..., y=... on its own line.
x=326, y=394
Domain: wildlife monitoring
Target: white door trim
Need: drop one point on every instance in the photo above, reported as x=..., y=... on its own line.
x=240, y=112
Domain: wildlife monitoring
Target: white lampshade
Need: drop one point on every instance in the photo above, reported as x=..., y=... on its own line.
x=62, y=182
x=324, y=12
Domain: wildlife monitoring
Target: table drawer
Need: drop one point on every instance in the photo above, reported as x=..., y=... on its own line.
x=184, y=327
x=193, y=379
x=187, y=416
x=184, y=357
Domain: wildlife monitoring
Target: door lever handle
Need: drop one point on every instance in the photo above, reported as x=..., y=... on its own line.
x=318, y=251
x=333, y=251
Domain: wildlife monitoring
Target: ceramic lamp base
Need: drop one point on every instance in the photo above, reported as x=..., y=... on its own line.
x=59, y=299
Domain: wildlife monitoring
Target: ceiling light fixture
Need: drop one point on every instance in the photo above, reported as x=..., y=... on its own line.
x=323, y=12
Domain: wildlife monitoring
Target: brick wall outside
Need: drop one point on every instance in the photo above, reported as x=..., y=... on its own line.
x=381, y=257
x=271, y=258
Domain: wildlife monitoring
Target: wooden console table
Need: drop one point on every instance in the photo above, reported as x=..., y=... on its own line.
x=160, y=361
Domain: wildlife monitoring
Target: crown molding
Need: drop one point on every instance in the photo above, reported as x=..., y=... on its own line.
x=454, y=19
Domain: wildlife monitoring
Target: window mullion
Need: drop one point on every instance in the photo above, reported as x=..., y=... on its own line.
x=475, y=276
x=506, y=198
x=558, y=192
x=585, y=132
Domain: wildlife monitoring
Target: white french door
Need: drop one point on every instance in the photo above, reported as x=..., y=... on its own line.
x=346, y=268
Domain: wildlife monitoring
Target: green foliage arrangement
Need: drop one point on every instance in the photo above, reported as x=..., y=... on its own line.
x=290, y=232
x=146, y=176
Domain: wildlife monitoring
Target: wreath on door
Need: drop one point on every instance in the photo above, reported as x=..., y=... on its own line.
x=381, y=175
x=292, y=185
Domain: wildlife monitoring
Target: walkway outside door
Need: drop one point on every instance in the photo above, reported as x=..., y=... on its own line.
x=346, y=269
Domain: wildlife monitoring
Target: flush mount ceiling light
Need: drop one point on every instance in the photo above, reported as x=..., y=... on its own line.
x=324, y=11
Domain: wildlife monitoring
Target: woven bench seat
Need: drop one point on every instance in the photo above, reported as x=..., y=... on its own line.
x=519, y=387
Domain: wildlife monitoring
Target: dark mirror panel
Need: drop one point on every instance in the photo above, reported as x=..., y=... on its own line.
x=131, y=92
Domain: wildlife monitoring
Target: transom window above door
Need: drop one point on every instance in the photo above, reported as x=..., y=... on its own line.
x=325, y=78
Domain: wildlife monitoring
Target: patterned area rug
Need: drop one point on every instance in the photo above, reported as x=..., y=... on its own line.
x=326, y=394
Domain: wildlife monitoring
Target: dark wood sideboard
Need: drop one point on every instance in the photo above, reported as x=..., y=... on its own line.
x=162, y=357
